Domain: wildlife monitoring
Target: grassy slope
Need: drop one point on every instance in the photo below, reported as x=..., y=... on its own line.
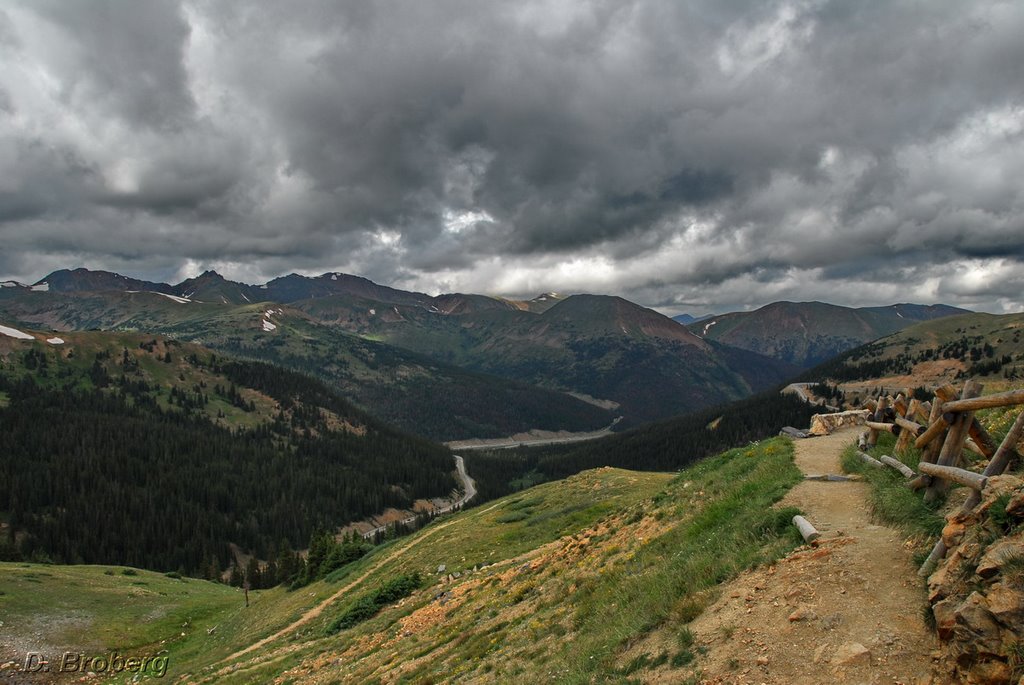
x=597, y=560
x=72, y=361
x=96, y=608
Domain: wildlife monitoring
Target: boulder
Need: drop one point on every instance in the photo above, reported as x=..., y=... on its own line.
x=953, y=533
x=824, y=424
x=945, y=618
x=1007, y=606
x=976, y=628
x=993, y=672
x=998, y=554
x=852, y=654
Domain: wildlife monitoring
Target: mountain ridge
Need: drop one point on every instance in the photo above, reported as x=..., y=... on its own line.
x=808, y=333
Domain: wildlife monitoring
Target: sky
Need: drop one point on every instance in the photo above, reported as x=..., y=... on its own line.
x=693, y=157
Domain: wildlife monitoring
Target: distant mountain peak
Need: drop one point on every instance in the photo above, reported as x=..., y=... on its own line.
x=210, y=273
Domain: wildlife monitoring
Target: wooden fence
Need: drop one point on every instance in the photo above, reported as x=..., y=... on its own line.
x=943, y=429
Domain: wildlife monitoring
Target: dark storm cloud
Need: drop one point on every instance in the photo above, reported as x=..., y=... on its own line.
x=124, y=56
x=673, y=152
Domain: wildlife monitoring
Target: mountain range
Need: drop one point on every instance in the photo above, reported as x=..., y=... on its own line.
x=457, y=366
x=808, y=333
x=425, y=362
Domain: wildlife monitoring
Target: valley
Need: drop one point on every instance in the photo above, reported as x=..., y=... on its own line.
x=607, y=477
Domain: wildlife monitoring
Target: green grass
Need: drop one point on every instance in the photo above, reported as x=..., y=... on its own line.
x=891, y=501
x=88, y=609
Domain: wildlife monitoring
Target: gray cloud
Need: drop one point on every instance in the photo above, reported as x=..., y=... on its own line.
x=705, y=154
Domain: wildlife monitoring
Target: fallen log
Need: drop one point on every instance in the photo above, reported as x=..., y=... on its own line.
x=926, y=442
x=912, y=427
x=809, y=533
x=898, y=465
x=1002, y=399
x=973, y=480
x=879, y=415
x=880, y=426
x=975, y=447
x=870, y=461
x=982, y=438
x=937, y=553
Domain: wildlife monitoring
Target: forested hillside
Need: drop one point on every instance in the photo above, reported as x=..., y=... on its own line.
x=122, y=449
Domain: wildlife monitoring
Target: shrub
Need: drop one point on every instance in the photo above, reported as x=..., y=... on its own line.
x=368, y=605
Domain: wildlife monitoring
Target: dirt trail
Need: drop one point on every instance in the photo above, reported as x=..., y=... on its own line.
x=848, y=611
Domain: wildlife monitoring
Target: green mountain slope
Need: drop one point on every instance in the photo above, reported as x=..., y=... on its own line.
x=419, y=394
x=977, y=345
x=808, y=333
x=605, y=347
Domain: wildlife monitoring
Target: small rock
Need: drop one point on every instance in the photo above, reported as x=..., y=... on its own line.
x=442, y=568
x=802, y=614
x=762, y=660
x=990, y=673
x=819, y=654
x=852, y=654
x=831, y=621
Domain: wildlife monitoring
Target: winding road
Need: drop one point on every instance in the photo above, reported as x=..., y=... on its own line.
x=468, y=493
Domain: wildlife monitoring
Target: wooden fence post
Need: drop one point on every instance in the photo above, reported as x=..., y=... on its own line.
x=907, y=434
x=954, y=443
x=883, y=404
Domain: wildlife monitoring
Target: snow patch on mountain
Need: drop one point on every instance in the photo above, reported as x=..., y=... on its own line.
x=55, y=341
x=179, y=300
x=15, y=333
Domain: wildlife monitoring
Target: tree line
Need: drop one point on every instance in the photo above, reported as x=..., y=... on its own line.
x=663, y=446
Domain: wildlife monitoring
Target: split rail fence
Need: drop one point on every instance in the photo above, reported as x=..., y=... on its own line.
x=942, y=429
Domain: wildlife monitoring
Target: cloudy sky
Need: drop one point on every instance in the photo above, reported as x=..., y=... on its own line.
x=691, y=156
